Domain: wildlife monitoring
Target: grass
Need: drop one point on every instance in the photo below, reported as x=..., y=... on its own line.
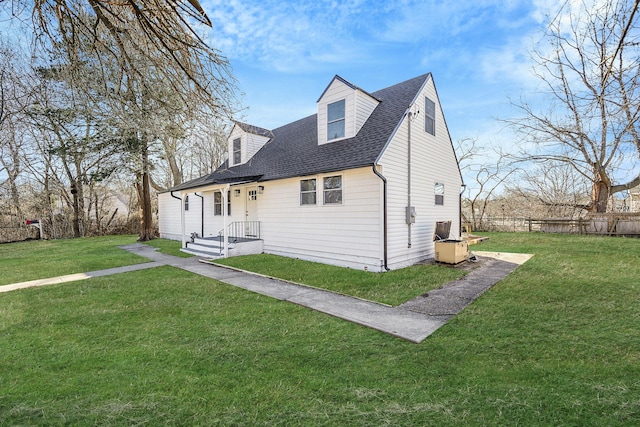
x=393, y=287
x=169, y=247
x=555, y=343
x=31, y=260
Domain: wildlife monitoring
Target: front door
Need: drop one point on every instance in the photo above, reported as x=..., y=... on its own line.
x=251, y=211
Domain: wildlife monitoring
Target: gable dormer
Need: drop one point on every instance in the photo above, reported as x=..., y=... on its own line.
x=244, y=141
x=342, y=110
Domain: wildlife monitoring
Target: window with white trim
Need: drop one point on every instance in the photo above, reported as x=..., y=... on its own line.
x=430, y=116
x=217, y=203
x=438, y=189
x=308, y=191
x=237, y=151
x=332, y=189
x=335, y=120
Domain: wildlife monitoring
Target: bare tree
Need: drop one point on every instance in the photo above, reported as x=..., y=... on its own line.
x=555, y=189
x=161, y=31
x=486, y=172
x=151, y=63
x=589, y=66
x=14, y=93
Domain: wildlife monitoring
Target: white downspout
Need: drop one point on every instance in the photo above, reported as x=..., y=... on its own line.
x=225, y=192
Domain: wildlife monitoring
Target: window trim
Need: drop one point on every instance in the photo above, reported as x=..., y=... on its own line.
x=429, y=118
x=342, y=119
x=314, y=192
x=237, y=151
x=325, y=191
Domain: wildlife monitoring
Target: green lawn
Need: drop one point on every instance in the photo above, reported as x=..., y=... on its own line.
x=555, y=343
x=170, y=247
x=39, y=259
x=392, y=288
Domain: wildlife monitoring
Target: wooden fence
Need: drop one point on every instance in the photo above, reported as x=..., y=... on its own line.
x=610, y=224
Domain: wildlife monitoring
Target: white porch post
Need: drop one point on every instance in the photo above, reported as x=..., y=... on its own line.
x=182, y=220
x=225, y=192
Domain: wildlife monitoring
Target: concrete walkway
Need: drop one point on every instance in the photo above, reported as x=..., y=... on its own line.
x=414, y=320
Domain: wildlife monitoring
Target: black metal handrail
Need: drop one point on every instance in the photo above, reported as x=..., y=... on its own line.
x=249, y=230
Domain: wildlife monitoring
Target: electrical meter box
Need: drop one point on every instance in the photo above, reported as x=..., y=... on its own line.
x=411, y=214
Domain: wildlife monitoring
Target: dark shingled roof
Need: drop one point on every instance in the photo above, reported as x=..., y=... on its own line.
x=293, y=149
x=255, y=129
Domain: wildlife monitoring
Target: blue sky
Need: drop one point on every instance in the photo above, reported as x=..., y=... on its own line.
x=284, y=53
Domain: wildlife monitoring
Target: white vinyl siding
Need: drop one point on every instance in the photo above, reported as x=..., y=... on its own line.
x=169, y=221
x=254, y=143
x=348, y=235
x=365, y=105
x=433, y=161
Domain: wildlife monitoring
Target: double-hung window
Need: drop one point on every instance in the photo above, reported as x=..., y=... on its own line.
x=217, y=203
x=332, y=188
x=308, y=191
x=335, y=120
x=237, y=151
x=430, y=116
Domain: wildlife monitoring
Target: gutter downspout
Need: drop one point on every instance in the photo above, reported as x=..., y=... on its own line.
x=409, y=115
x=384, y=217
x=201, y=214
x=184, y=239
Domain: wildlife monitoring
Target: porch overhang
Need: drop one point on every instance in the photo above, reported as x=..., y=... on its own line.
x=217, y=184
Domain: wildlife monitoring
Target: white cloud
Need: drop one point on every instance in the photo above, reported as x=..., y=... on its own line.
x=301, y=35
x=286, y=36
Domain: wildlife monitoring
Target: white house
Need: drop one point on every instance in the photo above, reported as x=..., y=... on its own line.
x=360, y=184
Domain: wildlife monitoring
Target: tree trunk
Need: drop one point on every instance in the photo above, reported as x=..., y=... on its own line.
x=601, y=192
x=76, y=210
x=600, y=197
x=143, y=188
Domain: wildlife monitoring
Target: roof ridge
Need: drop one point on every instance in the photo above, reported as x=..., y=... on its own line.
x=348, y=83
x=256, y=130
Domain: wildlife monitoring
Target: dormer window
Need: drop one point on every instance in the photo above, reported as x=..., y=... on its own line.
x=335, y=120
x=342, y=111
x=245, y=141
x=237, y=151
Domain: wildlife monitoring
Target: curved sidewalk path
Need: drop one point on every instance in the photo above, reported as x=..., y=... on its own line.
x=414, y=320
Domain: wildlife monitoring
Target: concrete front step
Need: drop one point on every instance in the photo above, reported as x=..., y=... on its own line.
x=212, y=248
x=201, y=254
x=205, y=248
